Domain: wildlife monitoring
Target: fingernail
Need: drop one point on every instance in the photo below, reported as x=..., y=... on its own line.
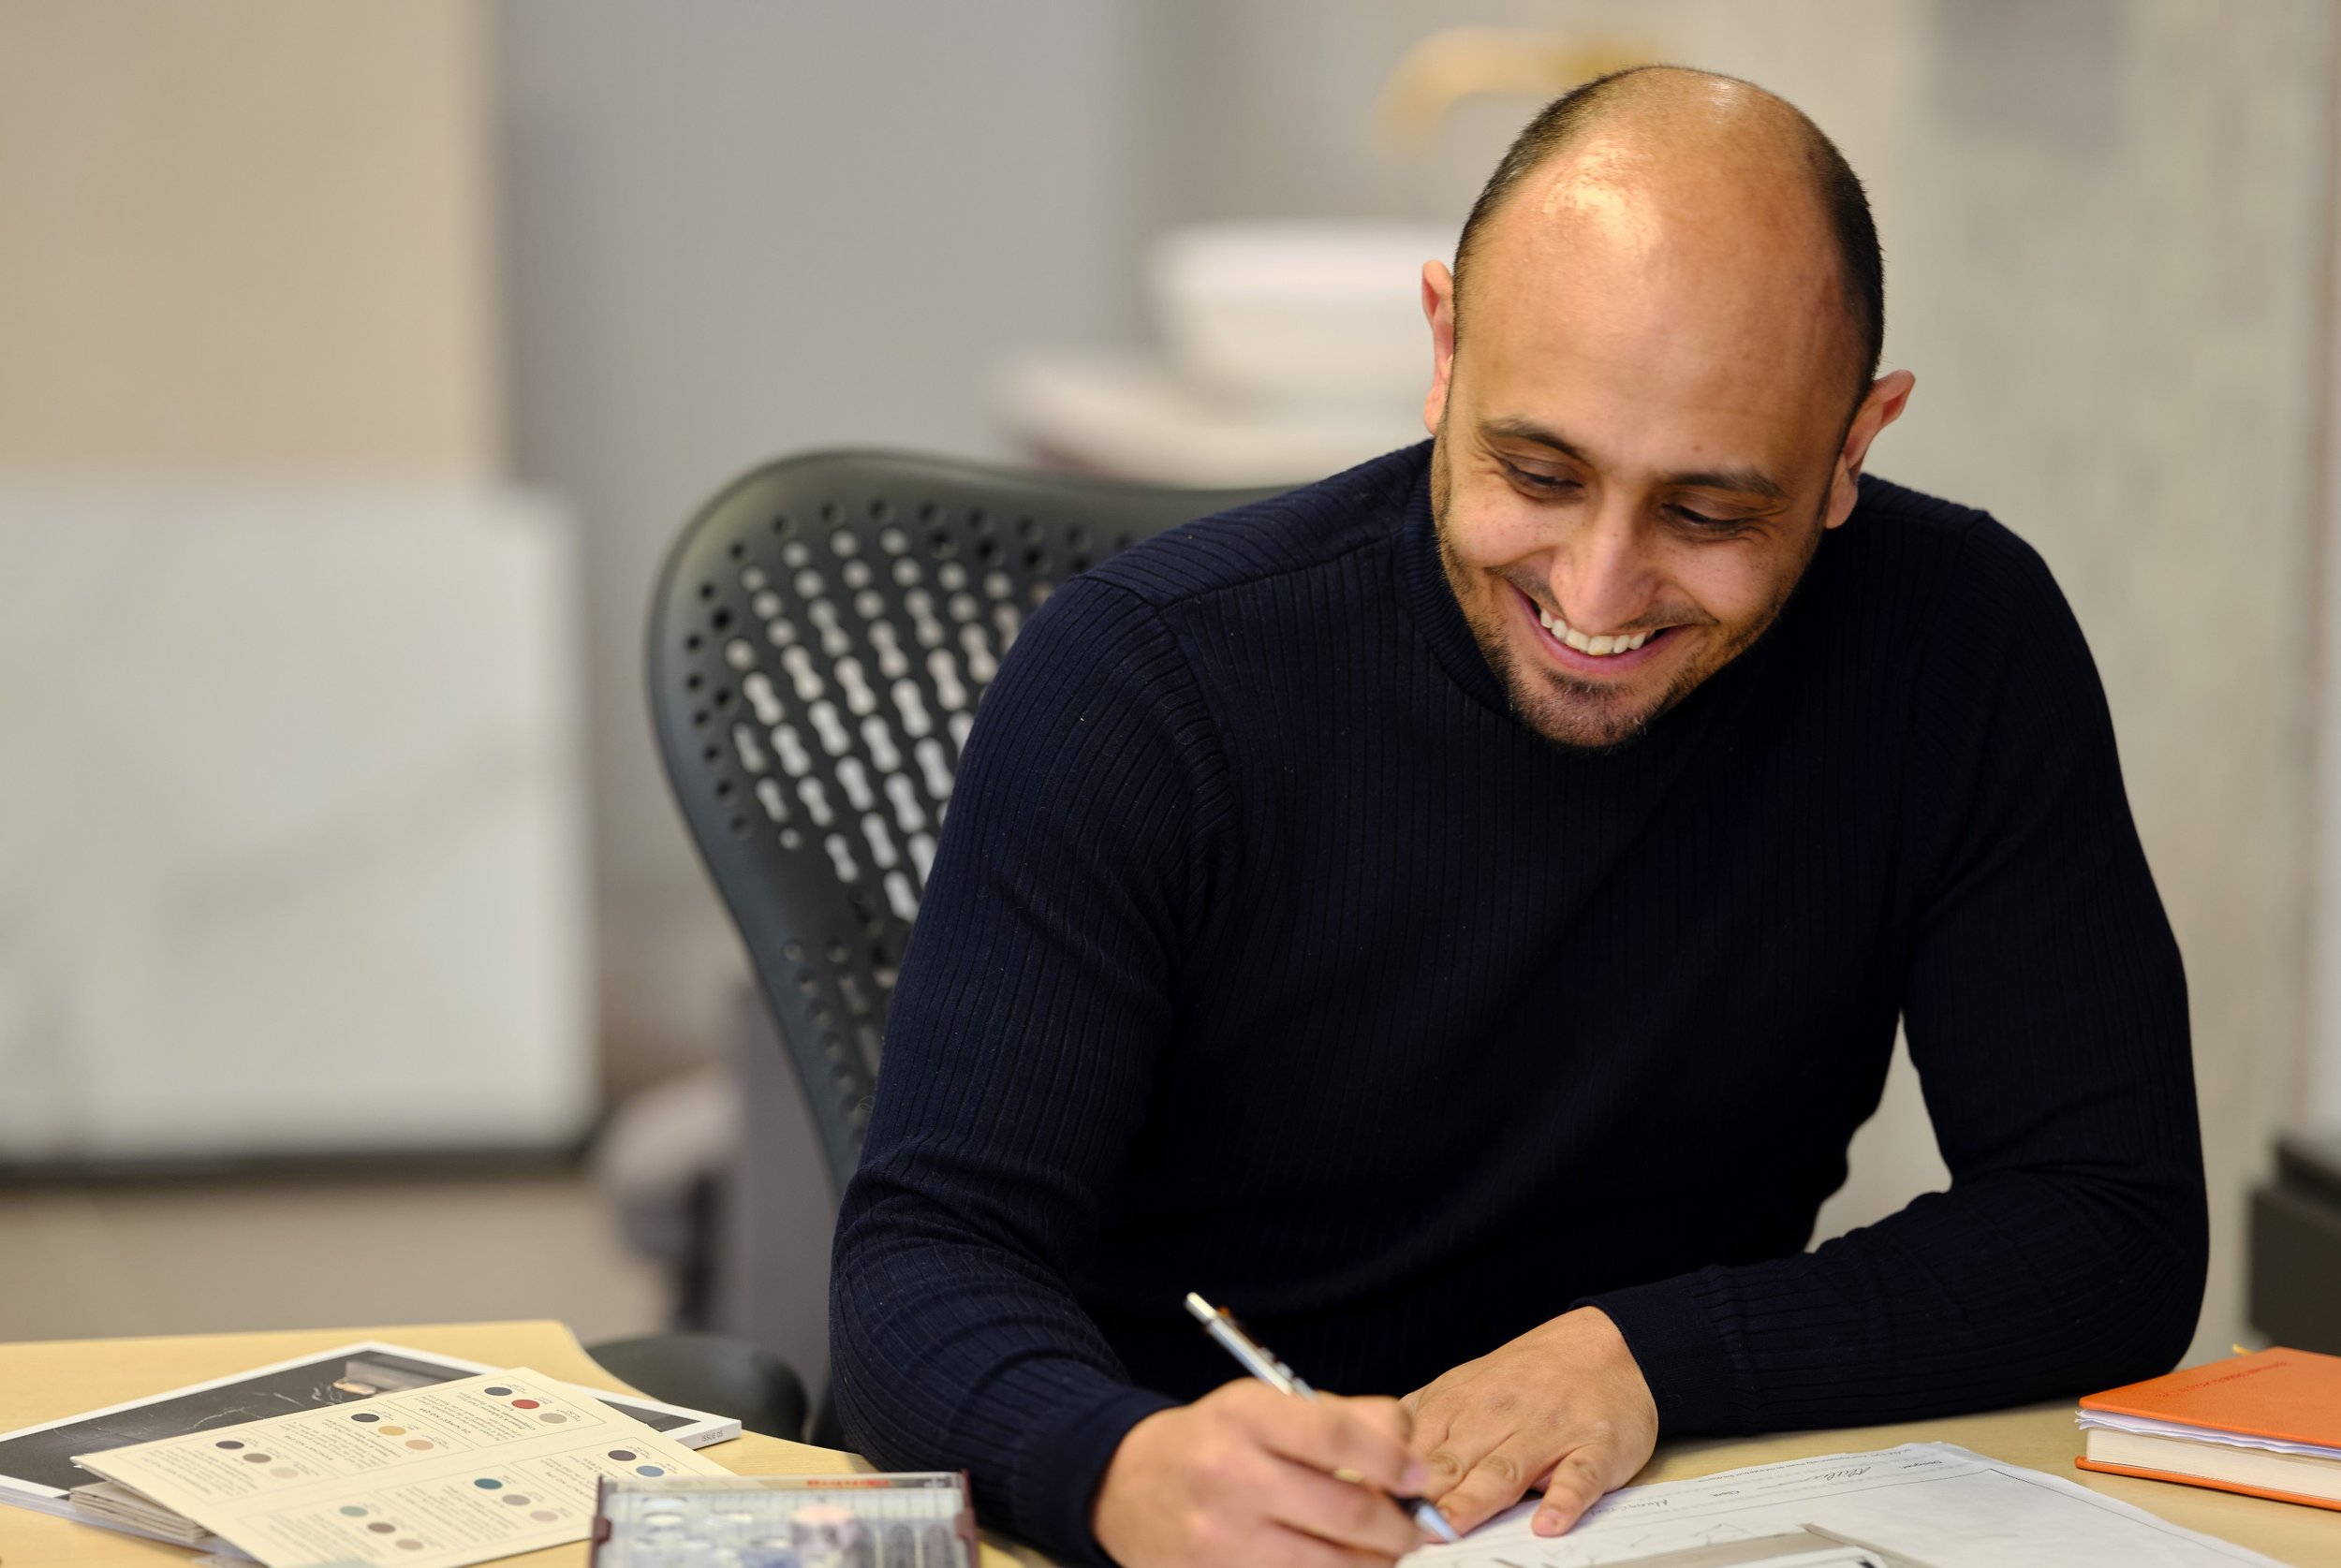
x=1417, y=1477
x=1546, y=1524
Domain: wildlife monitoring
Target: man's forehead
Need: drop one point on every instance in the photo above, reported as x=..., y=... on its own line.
x=1701, y=327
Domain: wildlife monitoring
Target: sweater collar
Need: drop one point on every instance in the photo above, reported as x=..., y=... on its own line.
x=1431, y=598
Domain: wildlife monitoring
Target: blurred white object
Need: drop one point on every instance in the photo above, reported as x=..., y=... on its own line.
x=1122, y=413
x=290, y=835
x=1318, y=314
x=1291, y=351
x=660, y=1146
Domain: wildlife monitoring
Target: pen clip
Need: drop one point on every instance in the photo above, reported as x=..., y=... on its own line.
x=1257, y=1359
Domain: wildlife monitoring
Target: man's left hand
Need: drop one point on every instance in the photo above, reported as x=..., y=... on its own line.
x=1562, y=1407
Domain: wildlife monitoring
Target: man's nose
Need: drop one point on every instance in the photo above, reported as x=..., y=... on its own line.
x=1602, y=577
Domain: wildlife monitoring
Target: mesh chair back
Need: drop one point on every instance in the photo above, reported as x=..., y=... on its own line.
x=819, y=638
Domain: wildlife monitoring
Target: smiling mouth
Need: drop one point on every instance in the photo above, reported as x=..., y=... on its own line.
x=1560, y=636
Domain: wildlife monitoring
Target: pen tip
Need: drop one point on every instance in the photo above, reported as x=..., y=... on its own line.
x=1202, y=1311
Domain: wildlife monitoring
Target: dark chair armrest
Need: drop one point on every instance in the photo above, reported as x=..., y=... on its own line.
x=712, y=1373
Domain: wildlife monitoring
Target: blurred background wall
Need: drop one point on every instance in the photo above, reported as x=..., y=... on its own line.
x=251, y=236
x=737, y=229
x=617, y=254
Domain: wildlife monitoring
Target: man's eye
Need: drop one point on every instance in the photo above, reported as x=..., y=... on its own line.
x=1700, y=519
x=1528, y=479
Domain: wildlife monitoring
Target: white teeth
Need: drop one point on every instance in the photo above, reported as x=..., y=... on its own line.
x=1600, y=647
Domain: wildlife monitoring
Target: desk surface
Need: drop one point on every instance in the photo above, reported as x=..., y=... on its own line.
x=47, y=1381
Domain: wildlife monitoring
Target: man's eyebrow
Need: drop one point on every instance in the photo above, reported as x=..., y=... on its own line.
x=1736, y=481
x=1529, y=431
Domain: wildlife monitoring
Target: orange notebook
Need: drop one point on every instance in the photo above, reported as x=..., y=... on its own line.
x=2267, y=1423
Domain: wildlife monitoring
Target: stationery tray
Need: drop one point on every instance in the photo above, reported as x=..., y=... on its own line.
x=916, y=1521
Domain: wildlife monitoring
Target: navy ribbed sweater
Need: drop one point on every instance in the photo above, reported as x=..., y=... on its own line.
x=1268, y=955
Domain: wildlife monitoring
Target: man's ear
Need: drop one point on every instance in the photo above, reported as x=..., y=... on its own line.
x=1438, y=309
x=1880, y=406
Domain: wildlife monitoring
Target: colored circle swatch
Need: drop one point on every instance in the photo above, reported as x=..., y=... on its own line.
x=622, y=1454
x=544, y=1515
x=419, y=1444
x=381, y=1529
x=488, y=1483
x=228, y=1442
x=649, y=1469
x=523, y=1404
x=354, y=1511
x=367, y=1416
x=552, y=1417
x=516, y=1499
x=256, y=1458
x=499, y=1393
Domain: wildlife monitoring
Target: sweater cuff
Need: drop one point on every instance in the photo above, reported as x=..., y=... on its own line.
x=1681, y=1354
x=1056, y=1484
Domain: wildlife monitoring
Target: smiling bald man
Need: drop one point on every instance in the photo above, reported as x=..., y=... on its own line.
x=1456, y=915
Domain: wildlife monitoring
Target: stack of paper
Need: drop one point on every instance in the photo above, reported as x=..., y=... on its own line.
x=107, y=1503
x=434, y=1478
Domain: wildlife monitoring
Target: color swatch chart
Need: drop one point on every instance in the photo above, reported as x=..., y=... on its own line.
x=434, y=1477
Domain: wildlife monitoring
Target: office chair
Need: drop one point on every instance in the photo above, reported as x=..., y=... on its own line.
x=818, y=640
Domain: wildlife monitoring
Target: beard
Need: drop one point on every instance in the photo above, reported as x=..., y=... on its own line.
x=1578, y=715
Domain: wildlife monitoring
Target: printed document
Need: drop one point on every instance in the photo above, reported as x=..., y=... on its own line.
x=432, y=1477
x=1923, y=1505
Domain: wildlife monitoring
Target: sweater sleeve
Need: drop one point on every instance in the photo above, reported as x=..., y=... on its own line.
x=2046, y=1013
x=1034, y=1002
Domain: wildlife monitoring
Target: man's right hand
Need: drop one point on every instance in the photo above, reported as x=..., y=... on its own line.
x=1245, y=1475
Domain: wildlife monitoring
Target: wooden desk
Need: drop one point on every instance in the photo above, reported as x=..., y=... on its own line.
x=44, y=1382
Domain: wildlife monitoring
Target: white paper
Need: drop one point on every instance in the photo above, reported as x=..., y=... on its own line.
x=434, y=1478
x=2147, y=1426
x=1923, y=1505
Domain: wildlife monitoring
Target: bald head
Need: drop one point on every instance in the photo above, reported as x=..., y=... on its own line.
x=1663, y=170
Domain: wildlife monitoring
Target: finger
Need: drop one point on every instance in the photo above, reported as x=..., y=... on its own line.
x=1498, y=1479
x=1432, y=1423
x=1578, y=1482
x=1272, y=1512
x=1356, y=1517
x=1330, y=1434
x=1452, y=1455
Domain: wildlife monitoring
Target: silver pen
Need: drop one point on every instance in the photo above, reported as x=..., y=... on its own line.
x=1257, y=1359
